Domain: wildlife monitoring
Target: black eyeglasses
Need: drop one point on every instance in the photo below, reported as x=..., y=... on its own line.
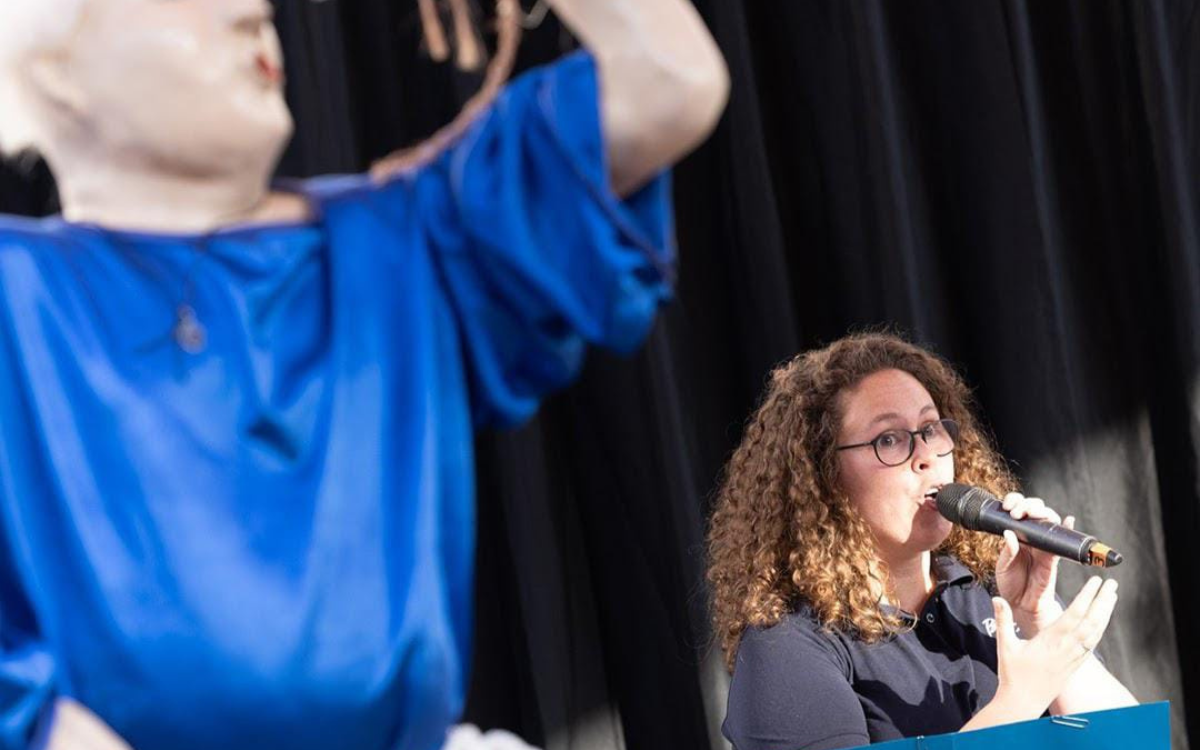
x=894, y=447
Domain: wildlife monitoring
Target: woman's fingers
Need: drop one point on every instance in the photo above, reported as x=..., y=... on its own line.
x=1083, y=623
x=1008, y=553
x=1095, y=622
x=1046, y=513
x=1005, y=626
x=1078, y=609
x=1020, y=506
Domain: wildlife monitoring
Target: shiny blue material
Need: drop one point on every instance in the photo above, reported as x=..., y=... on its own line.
x=1144, y=727
x=268, y=542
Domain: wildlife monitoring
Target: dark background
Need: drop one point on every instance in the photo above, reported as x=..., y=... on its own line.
x=1015, y=183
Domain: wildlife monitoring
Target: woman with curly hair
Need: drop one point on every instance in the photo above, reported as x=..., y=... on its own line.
x=849, y=609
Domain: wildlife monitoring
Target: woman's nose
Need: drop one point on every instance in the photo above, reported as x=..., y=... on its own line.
x=922, y=455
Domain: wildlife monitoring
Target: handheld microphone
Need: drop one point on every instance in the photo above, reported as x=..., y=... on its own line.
x=979, y=510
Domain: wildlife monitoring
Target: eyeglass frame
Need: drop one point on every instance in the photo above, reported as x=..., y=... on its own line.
x=912, y=440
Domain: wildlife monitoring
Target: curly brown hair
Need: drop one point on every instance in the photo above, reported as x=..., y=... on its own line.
x=783, y=533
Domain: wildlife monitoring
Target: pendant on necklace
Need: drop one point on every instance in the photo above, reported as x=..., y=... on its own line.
x=189, y=332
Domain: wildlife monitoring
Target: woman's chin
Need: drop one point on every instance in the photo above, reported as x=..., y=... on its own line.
x=929, y=533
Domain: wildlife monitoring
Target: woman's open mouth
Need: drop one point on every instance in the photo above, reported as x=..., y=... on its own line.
x=929, y=499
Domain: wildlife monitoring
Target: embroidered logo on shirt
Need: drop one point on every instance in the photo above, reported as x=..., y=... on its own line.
x=989, y=627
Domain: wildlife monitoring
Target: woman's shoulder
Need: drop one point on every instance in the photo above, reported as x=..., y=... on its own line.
x=792, y=686
x=798, y=637
x=803, y=618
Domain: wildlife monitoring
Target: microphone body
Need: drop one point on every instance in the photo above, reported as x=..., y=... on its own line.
x=979, y=510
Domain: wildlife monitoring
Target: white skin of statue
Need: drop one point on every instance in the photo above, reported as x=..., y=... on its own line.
x=169, y=116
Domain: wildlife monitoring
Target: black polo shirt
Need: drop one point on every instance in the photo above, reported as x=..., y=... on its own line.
x=797, y=687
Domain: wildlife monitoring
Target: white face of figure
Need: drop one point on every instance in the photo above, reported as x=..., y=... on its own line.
x=892, y=499
x=192, y=86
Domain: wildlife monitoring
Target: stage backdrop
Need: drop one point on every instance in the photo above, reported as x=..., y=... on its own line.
x=1016, y=183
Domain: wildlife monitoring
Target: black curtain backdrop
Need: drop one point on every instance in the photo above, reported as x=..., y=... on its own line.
x=1014, y=182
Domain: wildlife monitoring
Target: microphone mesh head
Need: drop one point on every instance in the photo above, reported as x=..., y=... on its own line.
x=961, y=503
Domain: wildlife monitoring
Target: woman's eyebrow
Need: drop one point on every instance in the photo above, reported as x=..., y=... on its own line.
x=893, y=415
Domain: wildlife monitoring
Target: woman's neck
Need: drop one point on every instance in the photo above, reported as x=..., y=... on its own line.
x=911, y=581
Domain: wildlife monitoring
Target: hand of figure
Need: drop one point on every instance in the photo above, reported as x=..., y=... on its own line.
x=74, y=727
x=1026, y=577
x=468, y=737
x=1033, y=672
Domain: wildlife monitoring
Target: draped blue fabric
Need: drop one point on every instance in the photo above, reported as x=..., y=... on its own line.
x=267, y=542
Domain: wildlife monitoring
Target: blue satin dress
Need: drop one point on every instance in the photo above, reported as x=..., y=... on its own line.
x=261, y=535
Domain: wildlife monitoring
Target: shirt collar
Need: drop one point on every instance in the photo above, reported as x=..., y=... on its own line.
x=947, y=571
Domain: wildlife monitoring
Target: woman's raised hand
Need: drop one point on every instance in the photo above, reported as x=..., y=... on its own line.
x=1033, y=672
x=1027, y=577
